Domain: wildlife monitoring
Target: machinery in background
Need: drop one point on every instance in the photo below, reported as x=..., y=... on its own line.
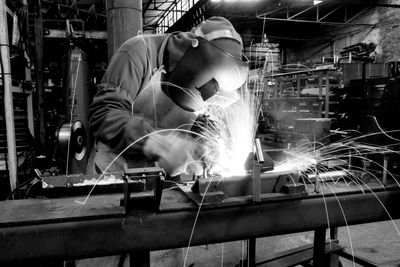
x=74, y=139
x=70, y=82
x=361, y=105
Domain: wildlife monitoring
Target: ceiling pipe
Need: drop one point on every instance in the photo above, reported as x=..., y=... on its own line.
x=124, y=20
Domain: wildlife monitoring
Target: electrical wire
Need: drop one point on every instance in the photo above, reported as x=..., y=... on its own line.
x=19, y=186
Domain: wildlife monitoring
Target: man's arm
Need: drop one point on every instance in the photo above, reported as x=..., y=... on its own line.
x=111, y=119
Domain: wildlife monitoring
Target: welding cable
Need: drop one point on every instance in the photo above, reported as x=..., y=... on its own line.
x=19, y=186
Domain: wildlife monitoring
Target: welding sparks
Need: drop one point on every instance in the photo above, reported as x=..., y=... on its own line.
x=233, y=134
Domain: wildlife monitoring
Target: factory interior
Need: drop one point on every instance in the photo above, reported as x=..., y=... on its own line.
x=200, y=133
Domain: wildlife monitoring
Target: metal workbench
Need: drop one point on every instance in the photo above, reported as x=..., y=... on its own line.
x=42, y=229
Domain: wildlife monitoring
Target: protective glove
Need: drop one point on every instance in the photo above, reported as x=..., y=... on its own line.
x=175, y=153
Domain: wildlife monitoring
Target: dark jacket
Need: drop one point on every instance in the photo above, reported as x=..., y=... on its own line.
x=129, y=103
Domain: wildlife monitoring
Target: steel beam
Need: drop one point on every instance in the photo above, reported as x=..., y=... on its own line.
x=321, y=22
x=53, y=33
x=146, y=231
x=330, y=12
x=301, y=12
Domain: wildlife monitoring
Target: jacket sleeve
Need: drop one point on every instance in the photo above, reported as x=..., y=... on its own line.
x=110, y=116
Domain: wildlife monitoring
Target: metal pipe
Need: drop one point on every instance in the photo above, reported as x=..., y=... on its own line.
x=321, y=22
x=8, y=101
x=145, y=230
x=124, y=20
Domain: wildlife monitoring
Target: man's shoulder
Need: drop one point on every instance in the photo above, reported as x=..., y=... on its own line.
x=142, y=43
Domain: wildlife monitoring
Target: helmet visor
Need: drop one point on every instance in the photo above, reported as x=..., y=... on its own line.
x=203, y=71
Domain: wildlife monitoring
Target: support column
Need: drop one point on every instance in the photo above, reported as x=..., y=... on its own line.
x=124, y=20
x=319, y=247
x=8, y=100
x=39, y=96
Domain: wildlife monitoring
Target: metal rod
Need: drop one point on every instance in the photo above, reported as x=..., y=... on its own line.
x=329, y=13
x=319, y=247
x=327, y=88
x=8, y=100
x=301, y=12
x=385, y=166
x=357, y=15
x=323, y=22
x=39, y=96
x=251, y=256
x=139, y=259
x=259, y=152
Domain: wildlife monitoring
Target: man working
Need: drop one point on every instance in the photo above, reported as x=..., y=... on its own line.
x=158, y=82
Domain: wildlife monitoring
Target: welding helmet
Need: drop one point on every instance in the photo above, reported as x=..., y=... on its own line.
x=211, y=69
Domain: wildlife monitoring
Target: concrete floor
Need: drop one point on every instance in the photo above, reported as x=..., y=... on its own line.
x=378, y=242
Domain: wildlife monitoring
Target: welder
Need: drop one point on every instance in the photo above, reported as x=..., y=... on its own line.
x=162, y=81
x=159, y=82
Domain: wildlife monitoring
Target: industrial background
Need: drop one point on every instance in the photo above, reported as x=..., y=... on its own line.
x=326, y=71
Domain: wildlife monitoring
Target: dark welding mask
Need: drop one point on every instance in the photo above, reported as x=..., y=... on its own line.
x=207, y=74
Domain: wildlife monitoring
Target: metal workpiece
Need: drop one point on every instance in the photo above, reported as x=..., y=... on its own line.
x=240, y=188
x=150, y=197
x=82, y=235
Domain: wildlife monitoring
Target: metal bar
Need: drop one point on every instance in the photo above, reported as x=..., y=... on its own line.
x=53, y=33
x=319, y=247
x=385, y=170
x=146, y=7
x=39, y=105
x=333, y=258
x=147, y=230
x=87, y=12
x=323, y=22
x=8, y=99
x=260, y=16
x=387, y=5
x=251, y=256
x=301, y=12
x=139, y=259
x=320, y=96
x=358, y=260
x=329, y=13
x=358, y=14
x=256, y=181
x=327, y=89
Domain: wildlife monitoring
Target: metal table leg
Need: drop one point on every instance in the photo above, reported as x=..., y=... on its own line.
x=319, y=247
x=139, y=259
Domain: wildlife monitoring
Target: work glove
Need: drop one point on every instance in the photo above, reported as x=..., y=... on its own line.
x=175, y=153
